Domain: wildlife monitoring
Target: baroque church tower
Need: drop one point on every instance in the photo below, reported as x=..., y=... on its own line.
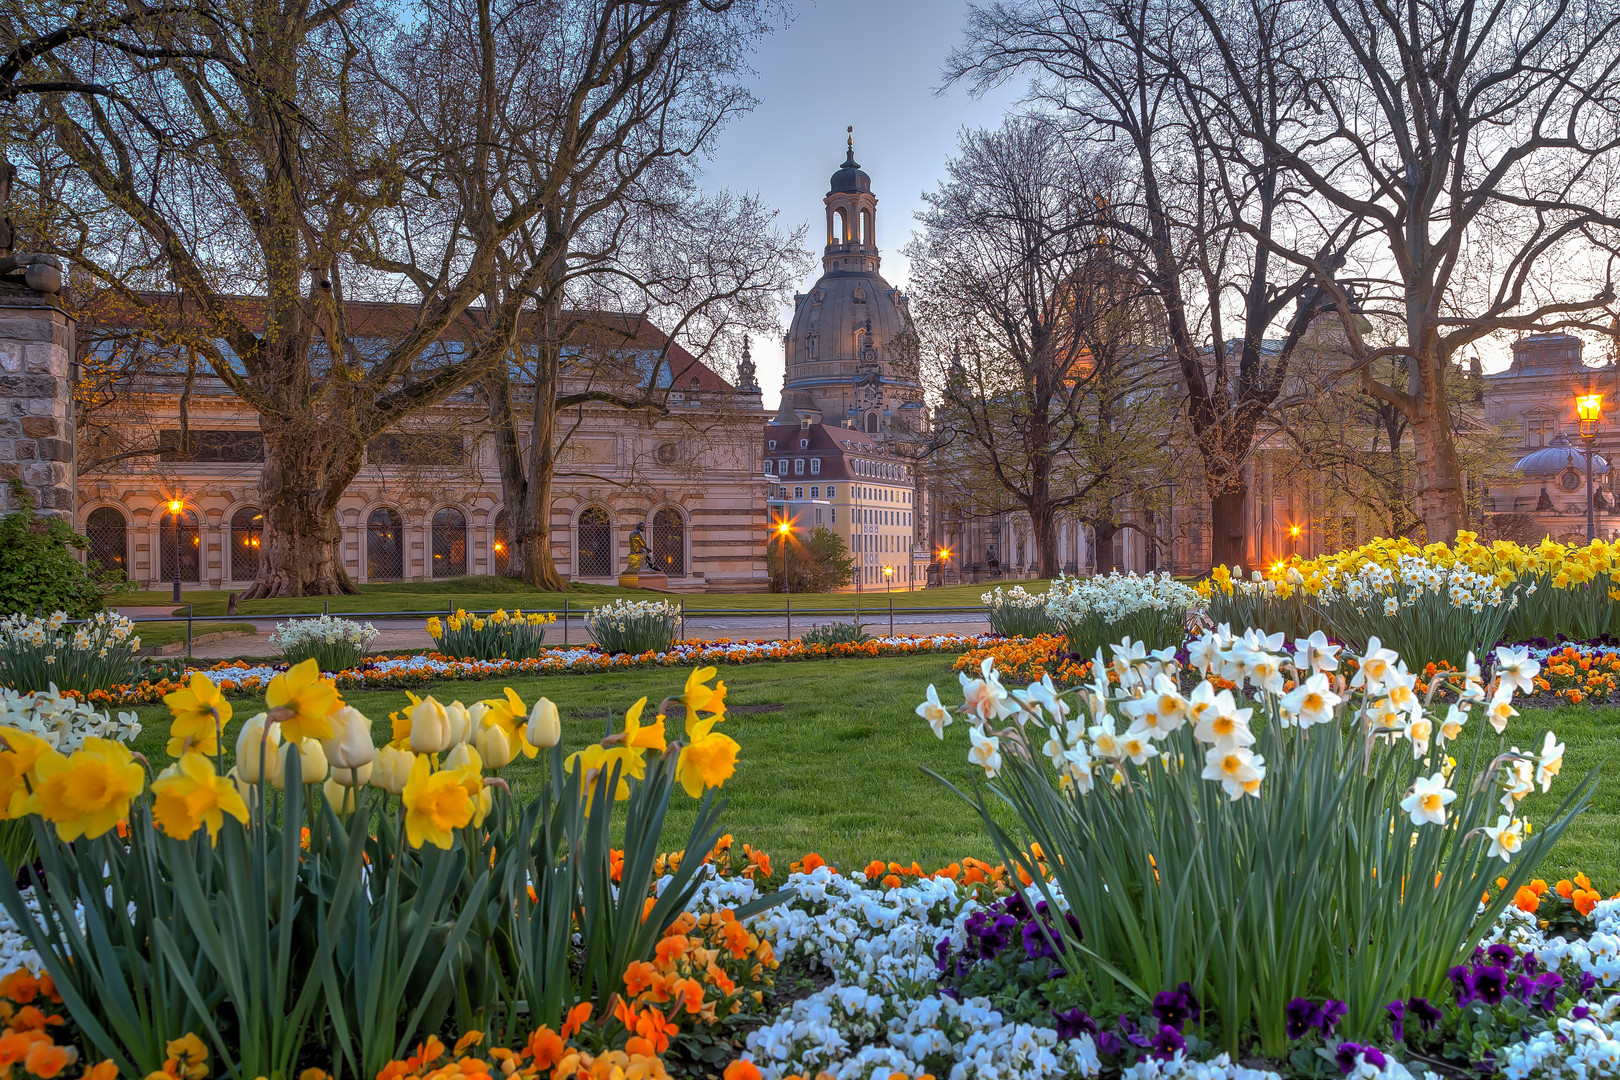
x=851, y=349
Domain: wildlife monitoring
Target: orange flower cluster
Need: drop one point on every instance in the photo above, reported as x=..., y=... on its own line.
x=1570, y=674
x=753, y=864
x=1027, y=659
x=27, y=1016
x=705, y=969
x=547, y=1055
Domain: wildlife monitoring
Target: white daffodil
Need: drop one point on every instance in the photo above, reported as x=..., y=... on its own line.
x=1077, y=768
x=1452, y=725
x=1258, y=642
x=1127, y=654
x=1499, y=712
x=1316, y=653
x=1104, y=739
x=1506, y=836
x=1516, y=668
x=1204, y=653
x=1473, y=684
x=1549, y=762
x=1055, y=749
x=1238, y=770
x=1265, y=671
x=1429, y=799
x=1225, y=726
x=1402, y=691
x=1419, y=731
x=937, y=715
x=1137, y=747
x=1311, y=702
x=1519, y=782
x=1377, y=664
x=986, y=752
x=985, y=699
x=1044, y=696
x=1200, y=701
x=1159, y=711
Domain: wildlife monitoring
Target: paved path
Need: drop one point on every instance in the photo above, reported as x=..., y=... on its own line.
x=396, y=635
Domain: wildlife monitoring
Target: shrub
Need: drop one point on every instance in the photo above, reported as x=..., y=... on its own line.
x=836, y=633
x=1306, y=847
x=1017, y=613
x=821, y=562
x=515, y=636
x=1093, y=612
x=37, y=654
x=634, y=626
x=334, y=644
x=38, y=570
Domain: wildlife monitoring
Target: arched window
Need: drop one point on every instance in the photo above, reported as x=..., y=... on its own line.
x=247, y=534
x=810, y=345
x=595, y=535
x=840, y=227
x=190, y=553
x=669, y=542
x=503, y=543
x=106, y=530
x=866, y=226
x=385, y=545
x=871, y=423
x=449, y=543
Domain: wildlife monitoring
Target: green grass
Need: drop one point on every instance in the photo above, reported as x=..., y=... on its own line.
x=836, y=770
x=485, y=593
x=167, y=633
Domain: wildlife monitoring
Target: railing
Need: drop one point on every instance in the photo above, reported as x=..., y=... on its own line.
x=565, y=614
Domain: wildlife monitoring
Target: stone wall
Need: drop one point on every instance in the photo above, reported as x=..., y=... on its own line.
x=36, y=402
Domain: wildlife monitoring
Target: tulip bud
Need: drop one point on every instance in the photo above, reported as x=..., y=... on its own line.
x=460, y=721
x=430, y=727
x=545, y=726
x=311, y=763
x=494, y=745
x=355, y=777
x=243, y=788
x=476, y=712
x=463, y=756
x=341, y=796
x=392, y=769
x=350, y=744
x=258, y=751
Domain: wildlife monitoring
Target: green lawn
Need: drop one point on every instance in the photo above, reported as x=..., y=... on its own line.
x=167, y=633
x=835, y=768
x=488, y=593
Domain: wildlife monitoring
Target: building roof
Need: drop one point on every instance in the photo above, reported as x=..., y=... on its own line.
x=1557, y=456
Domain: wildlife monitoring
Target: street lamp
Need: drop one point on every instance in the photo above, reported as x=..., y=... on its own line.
x=945, y=563
x=175, y=506
x=888, y=576
x=1589, y=407
x=783, y=528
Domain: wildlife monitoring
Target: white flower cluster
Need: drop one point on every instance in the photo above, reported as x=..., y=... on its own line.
x=1413, y=578
x=1180, y=1067
x=1015, y=597
x=64, y=722
x=326, y=630
x=1087, y=741
x=623, y=613
x=1115, y=596
x=1584, y=1048
x=882, y=1014
x=106, y=633
x=15, y=950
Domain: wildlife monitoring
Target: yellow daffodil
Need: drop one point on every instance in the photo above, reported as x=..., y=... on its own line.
x=597, y=761
x=643, y=736
x=436, y=804
x=200, y=715
x=513, y=716
x=304, y=701
x=706, y=762
x=700, y=698
x=86, y=794
x=21, y=752
x=191, y=794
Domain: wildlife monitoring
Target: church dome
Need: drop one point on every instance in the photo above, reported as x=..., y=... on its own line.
x=849, y=178
x=1557, y=456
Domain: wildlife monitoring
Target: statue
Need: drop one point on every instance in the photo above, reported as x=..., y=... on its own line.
x=41, y=273
x=638, y=549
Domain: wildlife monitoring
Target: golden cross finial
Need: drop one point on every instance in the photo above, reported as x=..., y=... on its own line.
x=851, y=140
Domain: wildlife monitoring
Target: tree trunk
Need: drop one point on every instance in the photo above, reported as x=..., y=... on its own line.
x=1103, y=534
x=1226, y=525
x=1043, y=523
x=300, y=551
x=534, y=522
x=497, y=388
x=1440, y=496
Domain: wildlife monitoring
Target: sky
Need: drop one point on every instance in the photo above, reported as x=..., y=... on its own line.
x=874, y=64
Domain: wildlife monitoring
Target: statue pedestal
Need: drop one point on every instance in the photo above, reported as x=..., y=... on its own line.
x=638, y=580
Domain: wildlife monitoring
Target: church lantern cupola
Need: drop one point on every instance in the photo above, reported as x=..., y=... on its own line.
x=851, y=218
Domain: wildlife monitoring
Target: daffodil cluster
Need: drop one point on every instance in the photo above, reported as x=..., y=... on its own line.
x=1016, y=613
x=64, y=722
x=334, y=644
x=1094, y=611
x=511, y=635
x=634, y=626
x=705, y=759
x=101, y=653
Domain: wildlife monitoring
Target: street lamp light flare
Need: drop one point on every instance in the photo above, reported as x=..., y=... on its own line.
x=1589, y=407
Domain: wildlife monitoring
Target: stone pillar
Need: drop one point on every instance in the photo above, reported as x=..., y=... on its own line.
x=36, y=402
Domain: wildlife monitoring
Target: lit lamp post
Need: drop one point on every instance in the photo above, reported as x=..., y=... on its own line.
x=944, y=563
x=888, y=576
x=1589, y=407
x=1293, y=539
x=175, y=506
x=783, y=528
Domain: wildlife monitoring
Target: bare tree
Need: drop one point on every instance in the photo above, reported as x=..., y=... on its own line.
x=252, y=158
x=1472, y=144
x=1041, y=322
x=1144, y=79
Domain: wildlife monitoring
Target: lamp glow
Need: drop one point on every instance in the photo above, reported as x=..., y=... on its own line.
x=1589, y=407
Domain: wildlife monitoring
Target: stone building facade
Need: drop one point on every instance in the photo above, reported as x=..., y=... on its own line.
x=36, y=401
x=427, y=502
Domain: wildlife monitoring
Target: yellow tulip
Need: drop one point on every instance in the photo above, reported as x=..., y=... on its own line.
x=494, y=744
x=190, y=794
x=544, y=729
x=392, y=769
x=349, y=745
x=430, y=726
x=312, y=764
x=436, y=804
x=89, y=793
x=303, y=702
x=258, y=750
x=200, y=714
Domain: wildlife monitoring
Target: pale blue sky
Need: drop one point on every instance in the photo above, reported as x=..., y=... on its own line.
x=871, y=63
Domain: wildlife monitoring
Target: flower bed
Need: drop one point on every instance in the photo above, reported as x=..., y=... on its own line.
x=422, y=669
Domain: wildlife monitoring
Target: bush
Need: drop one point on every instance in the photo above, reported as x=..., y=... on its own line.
x=836, y=633
x=1095, y=612
x=819, y=563
x=334, y=644
x=634, y=626
x=100, y=654
x=38, y=570
x=1017, y=613
x=470, y=637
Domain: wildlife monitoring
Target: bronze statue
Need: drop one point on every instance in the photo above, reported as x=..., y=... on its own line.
x=638, y=549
